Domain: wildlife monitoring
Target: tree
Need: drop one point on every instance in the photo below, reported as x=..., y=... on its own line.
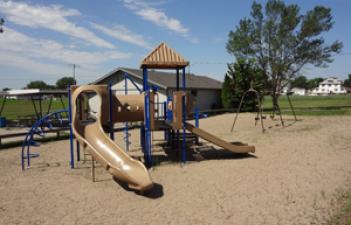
x=226, y=92
x=64, y=82
x=240, y=76
x=6, y=89
x=347, y=82
x=38, y=84
x=300, y=82
x=281, y=41
x=313, y=83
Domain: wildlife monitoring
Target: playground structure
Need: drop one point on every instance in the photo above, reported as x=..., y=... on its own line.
x=91, y=129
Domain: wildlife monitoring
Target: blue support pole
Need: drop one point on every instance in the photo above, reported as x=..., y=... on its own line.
x=165, y=118
x=126, y=123
x=112, y=133
x=145, y=79
x=70, y=128
x=148, y=155
x=177, y=88
x=184, y=117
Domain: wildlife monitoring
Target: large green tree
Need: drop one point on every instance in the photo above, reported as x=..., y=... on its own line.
x=64, y=82
x=281, y=40
x=347, y=82
x=38, y=84
x=300, y=82
x=313, y=83
x=227, y=93
x=240, y=76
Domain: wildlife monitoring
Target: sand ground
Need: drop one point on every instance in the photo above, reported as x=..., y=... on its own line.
x=295, y=177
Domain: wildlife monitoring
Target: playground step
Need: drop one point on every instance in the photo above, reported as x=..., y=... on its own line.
x=35, y=143
x=31, y=155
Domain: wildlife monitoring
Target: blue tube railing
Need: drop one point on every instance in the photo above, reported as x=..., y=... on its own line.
x=37, y=129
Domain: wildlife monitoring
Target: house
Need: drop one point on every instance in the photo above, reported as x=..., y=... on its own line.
x=205, y=90
x=331, y=85
x=299, y=91
x=295, y=91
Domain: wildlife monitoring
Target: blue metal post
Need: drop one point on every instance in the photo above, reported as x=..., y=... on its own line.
x=70, y=128
x=165, y=118
x=126, y=123
x=177, y=88
x=148, y=156
x=110, y=98
x=184, y=117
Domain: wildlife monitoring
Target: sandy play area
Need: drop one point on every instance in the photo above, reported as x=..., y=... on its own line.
x=295, y=177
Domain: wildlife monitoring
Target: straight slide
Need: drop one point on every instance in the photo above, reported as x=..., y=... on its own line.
x=104, y=150
x=236, y=148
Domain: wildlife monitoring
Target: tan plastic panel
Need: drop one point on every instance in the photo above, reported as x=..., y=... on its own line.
x=128, y=108
x=112, y=157
x=177, y=109
x=236, y=148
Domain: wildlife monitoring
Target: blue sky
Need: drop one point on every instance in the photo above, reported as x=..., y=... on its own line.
x=42, y=39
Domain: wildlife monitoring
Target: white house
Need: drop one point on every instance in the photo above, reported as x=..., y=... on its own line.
x=298, y=91
x=205, y=90
x=331, y=85
x=294, y=91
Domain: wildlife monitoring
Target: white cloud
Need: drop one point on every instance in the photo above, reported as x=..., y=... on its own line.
x=161, y=19
x=16, y=42
x=53, y=17
x=48, y=57
x=121, y=33
x=158, y=17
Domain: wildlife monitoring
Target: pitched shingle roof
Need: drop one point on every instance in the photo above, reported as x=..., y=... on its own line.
x=167, y=80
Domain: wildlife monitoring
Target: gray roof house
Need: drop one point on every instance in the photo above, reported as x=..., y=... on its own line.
x=205, y=89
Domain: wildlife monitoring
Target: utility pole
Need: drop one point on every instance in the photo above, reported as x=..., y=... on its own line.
x=74, y=72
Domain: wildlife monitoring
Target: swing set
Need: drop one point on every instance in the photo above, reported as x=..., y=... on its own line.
x=259, y=112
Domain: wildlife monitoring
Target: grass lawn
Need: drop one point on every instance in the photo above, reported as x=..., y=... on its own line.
x=314, y=105
x=14, y=108
x=304, y=105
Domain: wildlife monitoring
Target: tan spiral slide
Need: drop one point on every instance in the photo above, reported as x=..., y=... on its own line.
x=105, y=151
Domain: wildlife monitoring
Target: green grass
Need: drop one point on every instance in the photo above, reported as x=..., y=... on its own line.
x=314, y=105
x=343, y=216
x=15, y=108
